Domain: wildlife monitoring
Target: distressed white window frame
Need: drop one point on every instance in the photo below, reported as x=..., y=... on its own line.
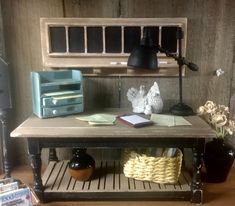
x=111, y=64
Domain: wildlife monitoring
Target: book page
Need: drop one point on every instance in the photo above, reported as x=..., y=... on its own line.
x=134, y=119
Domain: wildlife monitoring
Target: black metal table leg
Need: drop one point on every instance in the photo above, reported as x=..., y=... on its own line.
x=5, y=143
x=196, y=181
x=35, y=162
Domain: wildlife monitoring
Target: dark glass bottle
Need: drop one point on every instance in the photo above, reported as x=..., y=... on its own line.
x=218, y=159
x=82, y=165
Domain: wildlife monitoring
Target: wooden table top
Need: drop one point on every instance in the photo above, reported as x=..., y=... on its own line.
x=70, y=127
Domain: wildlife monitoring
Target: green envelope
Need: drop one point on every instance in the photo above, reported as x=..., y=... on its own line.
x=169, y=120
x=98, y=119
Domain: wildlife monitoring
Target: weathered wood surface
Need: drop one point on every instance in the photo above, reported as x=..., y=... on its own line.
x=210, y=44
x=71, y=127
x=2, y=55
x=2, y=42
x=23, y=52
x=108, y=177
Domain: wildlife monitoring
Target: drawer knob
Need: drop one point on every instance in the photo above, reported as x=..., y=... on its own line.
x=54, y=101
x=54, y=112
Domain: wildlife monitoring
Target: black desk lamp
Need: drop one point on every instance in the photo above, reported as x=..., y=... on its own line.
x=144, y=56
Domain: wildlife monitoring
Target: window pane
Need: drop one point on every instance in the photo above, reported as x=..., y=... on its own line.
x=113, y=41
x=94, y=40
x=76, y=39
x=57, y=39
x=169, y=41
x=131, y=38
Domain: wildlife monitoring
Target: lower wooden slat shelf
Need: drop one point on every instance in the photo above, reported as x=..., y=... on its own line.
x=109, y=182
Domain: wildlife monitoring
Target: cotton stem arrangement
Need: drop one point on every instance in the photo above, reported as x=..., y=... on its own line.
x=218, y=117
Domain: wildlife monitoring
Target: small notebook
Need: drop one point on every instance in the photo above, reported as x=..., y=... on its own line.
x=135, y=120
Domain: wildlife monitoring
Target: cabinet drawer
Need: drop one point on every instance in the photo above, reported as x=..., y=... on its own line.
x=62, y=110
x=62, y=100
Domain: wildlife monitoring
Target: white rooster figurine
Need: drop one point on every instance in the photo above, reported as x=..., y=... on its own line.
x=145, y=103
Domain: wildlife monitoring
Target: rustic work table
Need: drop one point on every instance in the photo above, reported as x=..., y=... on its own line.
x=56, y=184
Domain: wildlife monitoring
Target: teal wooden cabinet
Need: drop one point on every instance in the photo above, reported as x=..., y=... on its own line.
x=57, y=93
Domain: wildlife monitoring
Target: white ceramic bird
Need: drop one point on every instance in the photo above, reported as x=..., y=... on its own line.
x=137, y=98
x=143, y=102
x=154, y=103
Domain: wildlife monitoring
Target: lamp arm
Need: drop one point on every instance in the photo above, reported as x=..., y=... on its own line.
x=180, y=60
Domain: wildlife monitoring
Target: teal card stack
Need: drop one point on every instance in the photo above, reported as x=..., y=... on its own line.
x=57, y=93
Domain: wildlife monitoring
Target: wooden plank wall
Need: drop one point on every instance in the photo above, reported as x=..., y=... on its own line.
x=2, y=55
x=210, y=44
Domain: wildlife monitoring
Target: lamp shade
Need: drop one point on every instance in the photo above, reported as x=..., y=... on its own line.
x=144, y=56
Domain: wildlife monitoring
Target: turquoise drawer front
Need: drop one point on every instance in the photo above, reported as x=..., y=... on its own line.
x=62, y=110
x=62, y=100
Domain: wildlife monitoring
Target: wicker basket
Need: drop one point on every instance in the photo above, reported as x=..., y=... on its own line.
x=155, y=169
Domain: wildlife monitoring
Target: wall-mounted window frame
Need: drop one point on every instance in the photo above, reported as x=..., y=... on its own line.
x=58, y=50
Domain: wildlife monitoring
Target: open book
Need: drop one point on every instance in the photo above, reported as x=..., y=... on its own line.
x=135, y=120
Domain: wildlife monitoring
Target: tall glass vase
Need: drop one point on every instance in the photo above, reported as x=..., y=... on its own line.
x=218, y=159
